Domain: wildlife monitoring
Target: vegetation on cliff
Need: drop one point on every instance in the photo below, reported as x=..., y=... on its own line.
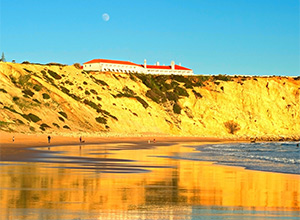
x=59, y=98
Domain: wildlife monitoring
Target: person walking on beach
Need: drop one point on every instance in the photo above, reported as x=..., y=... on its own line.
x=49, y=138
x=13, y=139
x=80, y=139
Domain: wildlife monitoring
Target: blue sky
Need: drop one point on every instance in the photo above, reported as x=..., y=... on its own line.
x=255, y=37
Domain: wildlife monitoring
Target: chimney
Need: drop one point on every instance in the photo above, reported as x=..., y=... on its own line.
x=145, y=63
x=172, y=65
x=157, y=63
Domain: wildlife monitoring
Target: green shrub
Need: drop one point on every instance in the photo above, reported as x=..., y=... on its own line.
x=11, y=109
x=69, y=82
x=28, y=92
x=46, y=96
x=56, y=125
x=44, y=126
x=23, y=79
x=20, y=121
x=37, y=101
x=64, y=114
x=37, y=87
x=77, y=98
x=172, y=96
x=65, y=90
x=104, y=112
x=85, y=83
x=26, y=96
x=197, y=94
x=99, y=98
x=101, y=120
x=87, y=92
x=54, y=74
x=174, y=84
x=48, y=79
x=181, y=91
x=92, y=104
x=142, y=101
x=15, y=98
x=221, y=78
x=60, y=118
x=94, y=91
x=66, y=127
x=176, y=108
x=188, y=85
x=132, y=77
x=232, y=127
x=3, y=90
x=28, y=71
x=77, y=65
x=156, y=95
x=99, y=81
x=13, y=79
x=26, y=117
x=33, y=117
x=128, y=91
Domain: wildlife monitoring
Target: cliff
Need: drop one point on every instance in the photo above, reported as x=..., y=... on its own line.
x=61, y=99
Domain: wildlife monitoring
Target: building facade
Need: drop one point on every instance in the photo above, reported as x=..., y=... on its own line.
x=104, y=65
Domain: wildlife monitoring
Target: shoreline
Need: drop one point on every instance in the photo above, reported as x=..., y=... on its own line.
x=21, y=150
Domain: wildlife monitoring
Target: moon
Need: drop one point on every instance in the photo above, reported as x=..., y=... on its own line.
x=105, y=17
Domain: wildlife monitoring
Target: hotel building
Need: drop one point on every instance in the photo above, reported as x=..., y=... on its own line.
x=104, y=65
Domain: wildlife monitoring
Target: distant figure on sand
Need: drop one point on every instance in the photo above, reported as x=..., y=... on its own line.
x=49, y=138
x=154, y=140
x=13, y=139
x=297, y=145
x=80, y=140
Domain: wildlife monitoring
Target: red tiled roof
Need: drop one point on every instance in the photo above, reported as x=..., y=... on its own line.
x=111, y=61
x=134, y=64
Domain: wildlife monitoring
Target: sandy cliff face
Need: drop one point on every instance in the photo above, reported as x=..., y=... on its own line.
x=63, y=99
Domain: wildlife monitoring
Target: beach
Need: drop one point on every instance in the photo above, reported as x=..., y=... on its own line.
x=129, y=178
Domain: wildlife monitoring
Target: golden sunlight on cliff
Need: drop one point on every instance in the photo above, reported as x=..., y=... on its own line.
x=66, y=100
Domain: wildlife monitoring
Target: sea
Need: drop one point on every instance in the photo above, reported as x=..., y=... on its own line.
x=282, y=157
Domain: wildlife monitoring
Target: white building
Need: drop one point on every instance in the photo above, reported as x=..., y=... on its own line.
x=104, y=65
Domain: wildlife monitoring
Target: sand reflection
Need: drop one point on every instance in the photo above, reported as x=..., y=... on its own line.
x=118, y=177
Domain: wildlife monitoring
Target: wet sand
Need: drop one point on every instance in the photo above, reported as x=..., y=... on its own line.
x=127, y=178
x=20, y=148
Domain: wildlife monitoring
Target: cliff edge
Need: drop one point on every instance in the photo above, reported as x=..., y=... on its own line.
x=62, y=99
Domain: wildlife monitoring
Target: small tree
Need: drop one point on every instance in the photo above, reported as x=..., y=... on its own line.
x=3, y=57
x=232, y=126
x=77, y=65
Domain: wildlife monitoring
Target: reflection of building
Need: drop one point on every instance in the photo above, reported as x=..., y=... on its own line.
x=129, y=67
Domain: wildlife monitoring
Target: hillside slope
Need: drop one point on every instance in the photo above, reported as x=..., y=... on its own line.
x=66, y=100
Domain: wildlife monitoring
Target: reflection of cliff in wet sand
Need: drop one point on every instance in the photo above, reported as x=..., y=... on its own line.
x=58, y=184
